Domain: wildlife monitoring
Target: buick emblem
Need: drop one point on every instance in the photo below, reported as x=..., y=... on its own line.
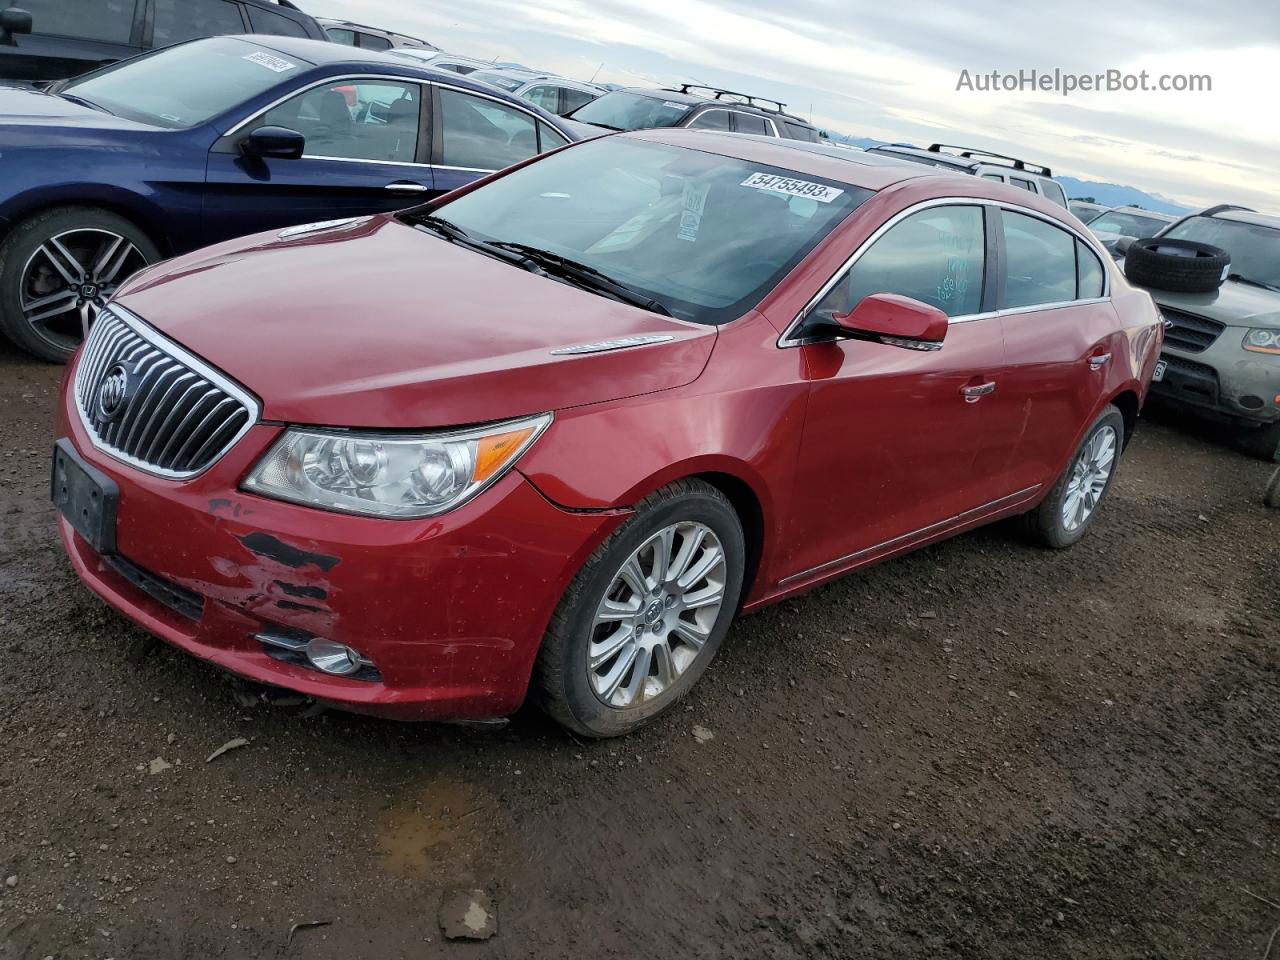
x=113, y=392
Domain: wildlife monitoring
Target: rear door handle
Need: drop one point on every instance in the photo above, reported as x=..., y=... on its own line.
x=404, y=187
x=1099, y=360
x=975, y=393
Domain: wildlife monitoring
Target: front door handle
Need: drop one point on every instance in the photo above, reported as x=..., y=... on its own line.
x=973, y=394
x=405, y=187
x=1099, y=360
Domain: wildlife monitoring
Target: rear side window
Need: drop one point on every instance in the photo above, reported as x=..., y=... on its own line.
x=480, y=134
x=1053, y=191
x=370, y=41
x=1024, y=184
x=549, y=139
x=178, y=20
x=1041, y=261
x=750, y=123
x=935, y=256
x=268, y=21
x=110, y=21
x=711, y=120
x=545, y=96
x=338, y=35
x=993, y=176
x=1089, y=276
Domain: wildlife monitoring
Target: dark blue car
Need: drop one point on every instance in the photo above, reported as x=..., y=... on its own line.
x=176, y=149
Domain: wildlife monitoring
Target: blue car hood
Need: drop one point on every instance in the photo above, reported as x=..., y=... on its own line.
x=26, y=107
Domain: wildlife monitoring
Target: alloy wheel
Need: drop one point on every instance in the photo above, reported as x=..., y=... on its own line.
x=1089, y=476
x=69, y=278
x=657, y=614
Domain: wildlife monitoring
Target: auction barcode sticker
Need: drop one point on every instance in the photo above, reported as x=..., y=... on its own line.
x=278, y=64
x=791, y=187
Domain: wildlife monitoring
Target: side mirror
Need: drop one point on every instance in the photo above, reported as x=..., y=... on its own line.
x=891, y=318
x=277, y=143
x=13, y=21
x=1121, y=246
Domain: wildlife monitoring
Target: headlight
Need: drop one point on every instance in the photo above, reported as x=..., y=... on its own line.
x=1262, y=341
x=390, y=475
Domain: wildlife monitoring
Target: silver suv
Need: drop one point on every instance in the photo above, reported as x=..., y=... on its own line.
x=1032, y=177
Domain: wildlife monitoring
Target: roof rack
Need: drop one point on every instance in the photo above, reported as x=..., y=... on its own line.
x=969, y=153
x=1223, y=208
x=718, y=94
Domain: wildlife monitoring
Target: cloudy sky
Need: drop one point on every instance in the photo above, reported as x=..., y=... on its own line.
x=889, y=70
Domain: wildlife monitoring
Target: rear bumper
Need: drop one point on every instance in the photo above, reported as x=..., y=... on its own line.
x=451, y=609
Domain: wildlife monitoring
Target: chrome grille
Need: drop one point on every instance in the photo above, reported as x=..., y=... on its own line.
x=148, y=402
x=1188, y=332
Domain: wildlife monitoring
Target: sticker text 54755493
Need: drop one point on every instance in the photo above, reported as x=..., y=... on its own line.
x=792, y=187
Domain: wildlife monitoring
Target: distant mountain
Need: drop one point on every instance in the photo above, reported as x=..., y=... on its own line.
x=1114, y=195
x=1109, y=194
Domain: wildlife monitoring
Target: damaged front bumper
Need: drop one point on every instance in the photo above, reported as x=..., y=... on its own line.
x=449, y=609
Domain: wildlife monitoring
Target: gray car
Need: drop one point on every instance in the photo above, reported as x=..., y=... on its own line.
x=1133, y=222
x=559, y=95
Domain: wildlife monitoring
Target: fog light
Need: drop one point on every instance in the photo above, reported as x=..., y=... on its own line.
x=332, y=657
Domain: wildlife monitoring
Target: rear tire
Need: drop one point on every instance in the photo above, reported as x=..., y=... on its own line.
x=57, y=269
x=1262, y=442
x=1069, y=509
x=614, y=657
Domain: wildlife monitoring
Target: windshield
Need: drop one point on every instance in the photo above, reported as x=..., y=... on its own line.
x=631, y=111
x=496, y=80
x=1254, y=249
x=706, y=236
x=1127, y=224
x=186, y=85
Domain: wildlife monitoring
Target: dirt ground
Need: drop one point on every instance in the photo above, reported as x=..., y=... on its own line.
x=983, y=750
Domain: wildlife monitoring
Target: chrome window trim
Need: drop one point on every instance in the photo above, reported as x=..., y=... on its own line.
x=390, y=77
x=385, y=163
x=787, y=340
x=224, y=383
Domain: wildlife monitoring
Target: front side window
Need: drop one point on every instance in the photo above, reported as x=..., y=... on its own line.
x=109, y=21
x=705, y=235
x=171, y=88
x=178, y=20
x=481, y=134
x=1127, y=224
x=573, y=99
x=364, y=120
x=1040, y=260
x=710, y=120
x=268, y=21
x=621, y=110
x=1024, y=184
x=1254, y=248
x=936, y=256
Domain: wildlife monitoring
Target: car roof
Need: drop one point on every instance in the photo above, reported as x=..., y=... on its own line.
x=697, y=100
x=1251, y=217
x=936, y=159
x=858, y=168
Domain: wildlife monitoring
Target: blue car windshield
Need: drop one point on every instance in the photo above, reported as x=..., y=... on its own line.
x=186, y=85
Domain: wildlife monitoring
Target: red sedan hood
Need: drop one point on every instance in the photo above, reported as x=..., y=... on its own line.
x=376, y=324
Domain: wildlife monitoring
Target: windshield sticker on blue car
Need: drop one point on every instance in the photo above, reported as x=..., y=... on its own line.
x=674, y=105
x=791, y=187
x=276, y=64
x=692, y=203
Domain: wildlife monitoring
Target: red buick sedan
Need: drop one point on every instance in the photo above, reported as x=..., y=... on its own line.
x=547, y=435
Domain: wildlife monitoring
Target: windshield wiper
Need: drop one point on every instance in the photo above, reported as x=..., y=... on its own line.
x=455, y=234
x=85, y=103
x=583, y=275
x=1241, y=278
x=597, y=123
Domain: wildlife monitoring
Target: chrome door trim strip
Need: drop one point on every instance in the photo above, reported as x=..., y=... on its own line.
x=914, y=534
x=788, y=340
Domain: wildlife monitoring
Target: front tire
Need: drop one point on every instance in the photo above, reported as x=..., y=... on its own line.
x=1068, y=510
x=644, y=617
x=58, y=268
